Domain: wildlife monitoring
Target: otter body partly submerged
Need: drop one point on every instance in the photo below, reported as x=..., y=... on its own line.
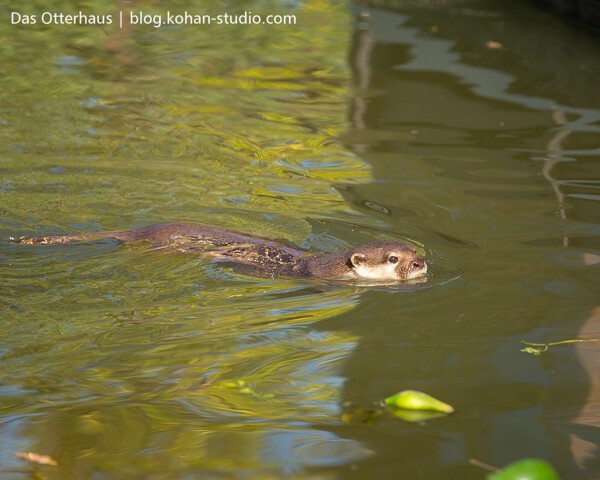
x=387, y=260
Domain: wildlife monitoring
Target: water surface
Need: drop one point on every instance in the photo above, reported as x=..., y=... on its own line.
x=357, y=124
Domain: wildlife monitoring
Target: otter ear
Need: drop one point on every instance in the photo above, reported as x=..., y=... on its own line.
x=357, y=259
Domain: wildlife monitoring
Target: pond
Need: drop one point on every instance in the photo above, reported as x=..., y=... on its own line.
x=468, y=129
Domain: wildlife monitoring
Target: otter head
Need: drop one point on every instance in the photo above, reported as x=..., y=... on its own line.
x=385, y=261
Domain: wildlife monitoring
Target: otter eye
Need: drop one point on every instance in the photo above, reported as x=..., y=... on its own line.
x=393, y=259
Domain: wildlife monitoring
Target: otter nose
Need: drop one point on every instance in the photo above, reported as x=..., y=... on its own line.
x=417, y=264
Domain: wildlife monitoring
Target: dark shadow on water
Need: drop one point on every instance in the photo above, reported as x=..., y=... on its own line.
x=461, y=342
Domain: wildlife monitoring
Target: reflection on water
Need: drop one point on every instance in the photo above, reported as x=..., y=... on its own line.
x=120, y=361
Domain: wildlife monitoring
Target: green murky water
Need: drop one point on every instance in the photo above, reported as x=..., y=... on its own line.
x=121, y=362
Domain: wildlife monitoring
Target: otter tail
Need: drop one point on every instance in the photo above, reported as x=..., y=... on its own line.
x=72, y=238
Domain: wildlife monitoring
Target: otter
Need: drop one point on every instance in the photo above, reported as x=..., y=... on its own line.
x=380, y=261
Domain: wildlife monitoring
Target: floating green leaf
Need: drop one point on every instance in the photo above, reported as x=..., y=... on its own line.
x=414, y=400
x=526, y=469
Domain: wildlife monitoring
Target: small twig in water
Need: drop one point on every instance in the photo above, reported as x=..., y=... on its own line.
x=539, y=348
x=483, y=465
